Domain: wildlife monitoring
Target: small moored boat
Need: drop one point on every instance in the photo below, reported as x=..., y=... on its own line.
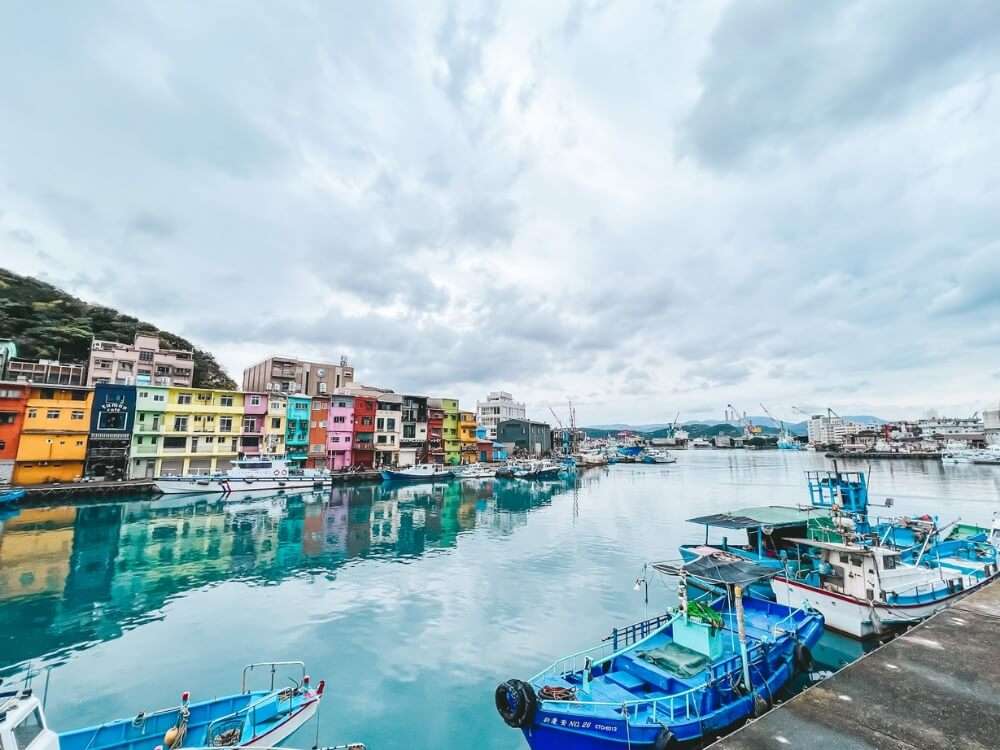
x=419, y=473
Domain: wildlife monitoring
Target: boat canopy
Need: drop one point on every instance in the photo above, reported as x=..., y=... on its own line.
x=775, y=516
x=720, y=568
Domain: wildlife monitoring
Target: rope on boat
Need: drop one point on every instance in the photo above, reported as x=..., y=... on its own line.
x=175, y=736
x=557, y=693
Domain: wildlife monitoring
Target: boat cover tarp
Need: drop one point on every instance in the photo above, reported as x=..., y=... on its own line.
x=767, y=515
x=720, y=568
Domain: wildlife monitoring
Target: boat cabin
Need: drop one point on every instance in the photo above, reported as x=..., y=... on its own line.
x=22, y=723
x=768, y=529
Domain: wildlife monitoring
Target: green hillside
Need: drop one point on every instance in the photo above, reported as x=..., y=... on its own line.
x=47, y=323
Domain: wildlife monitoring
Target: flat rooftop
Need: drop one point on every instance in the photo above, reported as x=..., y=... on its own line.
x=932, y=687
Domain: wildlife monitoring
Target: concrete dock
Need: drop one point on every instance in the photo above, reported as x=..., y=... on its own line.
x=936, y=686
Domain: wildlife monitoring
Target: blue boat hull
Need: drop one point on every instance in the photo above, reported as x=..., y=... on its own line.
x=11, y=496
x=395, y=476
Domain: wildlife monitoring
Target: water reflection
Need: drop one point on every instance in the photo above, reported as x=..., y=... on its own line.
x=75, y=576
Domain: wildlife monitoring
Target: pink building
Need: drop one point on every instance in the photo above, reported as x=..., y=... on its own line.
x=340, y=432
x=252, y=429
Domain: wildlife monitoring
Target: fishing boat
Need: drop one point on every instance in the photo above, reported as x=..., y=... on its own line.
x=250, y=718
x=476, y=471
x=419, y=473
x=536, y=470
x=260, y=474
x=700, y=443
x=9, y=497
x=787, y=443
x=658, y=456
x=679, y=677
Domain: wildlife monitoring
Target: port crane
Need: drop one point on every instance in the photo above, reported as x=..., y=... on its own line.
x=749, y=430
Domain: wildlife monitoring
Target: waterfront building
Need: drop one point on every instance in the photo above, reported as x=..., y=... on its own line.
x=467, y=437
x=969, y=430
x=829, y=429
x=143, y=362
x=273, y=438
x=449, y=430
x=147, y=431
x=413, y=439
x=340, y=432
x=252, y=425
x=991, y=426
x=201, y=429
x=388, y=429
x=297, y=430
x=318, y=421
x=53, y=442
x=498, y=407
x=291, y=375
x=112, y=419
x=363, y=445
x=47, y=372
x=435, y=431
x=531, y=437
x=13, y=401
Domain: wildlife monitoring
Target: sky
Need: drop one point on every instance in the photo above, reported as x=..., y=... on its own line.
x=649, y=208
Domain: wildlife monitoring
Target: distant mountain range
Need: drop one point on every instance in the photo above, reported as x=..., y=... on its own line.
x=711, y=428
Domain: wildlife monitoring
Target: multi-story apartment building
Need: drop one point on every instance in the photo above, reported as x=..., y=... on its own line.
x=13, y=401
x=275, y=425
x=297, y=430
x=413, y=437
x=199, y=430
x=143, y=362
x=991, y=426
x=46, y=372
x=969, y=429
x=829, y=429
x=449, y=430
x=148, y=431
x=252, y=425
x=53, y=442
x=388, y=429
x=467, y=437
x=340, y=432
x=318, y=431
x=363, y=444
x=435, y=431
x=290, y=375
x=498, y=407
x=112, y=417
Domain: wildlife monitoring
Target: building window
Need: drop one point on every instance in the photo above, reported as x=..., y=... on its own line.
x=226, y=401
x=174, y=442
x=392, y=439
x=276, y=423
x=338, y=420
x=380, y=424
x=180, y=424
x=335, y=439
x=3, y=444
x=255, y=401
x=409, y=431
x=145, y=355
x=159, y=397
x=380, y=439
x=225, y=424
x=76, y=414
x=32, y=413
x=390, y=424
x=52, y=414
x=184, y=398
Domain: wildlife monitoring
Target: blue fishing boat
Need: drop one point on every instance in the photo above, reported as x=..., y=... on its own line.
x=259, y=718
x=419, y=473
x=9, y=497
x=683, y=676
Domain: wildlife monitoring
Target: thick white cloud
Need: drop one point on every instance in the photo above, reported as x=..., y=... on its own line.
x=647, y=207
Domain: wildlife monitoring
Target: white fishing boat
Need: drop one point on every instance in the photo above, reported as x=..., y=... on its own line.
x=476, y=471
x=658, y=456
x=701, y=443
x=419, y=473
x=259, y=474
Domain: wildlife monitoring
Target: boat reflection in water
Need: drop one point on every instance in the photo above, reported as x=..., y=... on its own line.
x=75, y=576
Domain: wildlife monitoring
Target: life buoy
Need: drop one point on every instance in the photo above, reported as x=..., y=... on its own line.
x=664, y=739
x=516, y=703
x=803, y=657
x=277, y=473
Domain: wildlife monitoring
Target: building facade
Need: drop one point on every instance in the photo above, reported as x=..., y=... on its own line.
x=147, y=431
x=275, y=424
x=297, y=430
x=252, y=424
x=991, y=426
x=53, y=443
x=435, y=431
x=388, y=429
x=289, y=375
x=943, y=429
x=109, y=443
x=318, y=421
x=13, y=402
x=534, y=438
x=498, y=407
x=830, y=429
x=47, y=372
x=449, y=430
x=413, y=438
x=467, y=437
x=143, y=362
x=200, y=431
x=363, y=445
x=340, y=433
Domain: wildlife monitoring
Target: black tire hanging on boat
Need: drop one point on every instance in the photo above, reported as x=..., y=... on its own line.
x=664, y=739
x=516, y=703
x=803, y=657
x=760, y=705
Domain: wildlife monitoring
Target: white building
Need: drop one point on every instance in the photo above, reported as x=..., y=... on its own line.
x=830, y=430
x=499, y=406
x=970, y=429
x=991, y=426
x=143, y=362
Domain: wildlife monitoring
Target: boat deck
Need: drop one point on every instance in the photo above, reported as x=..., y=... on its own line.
x=932, y=688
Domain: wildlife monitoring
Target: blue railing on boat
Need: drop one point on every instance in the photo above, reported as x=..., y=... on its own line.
x=622, y=637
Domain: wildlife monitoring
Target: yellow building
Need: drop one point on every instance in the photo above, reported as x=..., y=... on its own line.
x=200, y=431
x=467, y=437
x=53, y=444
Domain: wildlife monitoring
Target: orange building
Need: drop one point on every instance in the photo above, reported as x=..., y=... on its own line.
x=13, y=401
x=318, y=416
x=53, y=442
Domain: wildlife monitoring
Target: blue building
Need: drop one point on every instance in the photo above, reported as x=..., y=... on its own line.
x=297, y=429
x=112, y=419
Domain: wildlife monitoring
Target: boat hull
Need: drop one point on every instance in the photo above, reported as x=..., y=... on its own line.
x=224, y=486
x=400, y=476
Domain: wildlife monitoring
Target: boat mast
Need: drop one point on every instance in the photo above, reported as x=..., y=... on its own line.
x=742, y=634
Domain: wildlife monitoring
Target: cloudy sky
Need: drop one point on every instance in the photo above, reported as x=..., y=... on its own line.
x=647, y=207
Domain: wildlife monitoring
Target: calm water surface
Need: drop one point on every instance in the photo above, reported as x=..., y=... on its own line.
x=412, y=603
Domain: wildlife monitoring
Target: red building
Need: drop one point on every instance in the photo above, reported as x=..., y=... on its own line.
x=363, y=452
x=435, y=431
x=13, y=398
x=320, y=412
x=485, y=450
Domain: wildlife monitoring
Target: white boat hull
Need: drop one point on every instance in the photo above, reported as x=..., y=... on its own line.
x=225, y=486
x=282, y=732
x=857, y=617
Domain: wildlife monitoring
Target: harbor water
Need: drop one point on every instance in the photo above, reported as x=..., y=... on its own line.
x=411, y=602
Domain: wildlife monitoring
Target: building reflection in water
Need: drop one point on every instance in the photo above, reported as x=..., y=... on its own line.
x=73, y=576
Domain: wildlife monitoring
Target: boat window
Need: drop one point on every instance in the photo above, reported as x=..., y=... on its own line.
x=889, y=562
x=29, y=728
x=857, y=561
